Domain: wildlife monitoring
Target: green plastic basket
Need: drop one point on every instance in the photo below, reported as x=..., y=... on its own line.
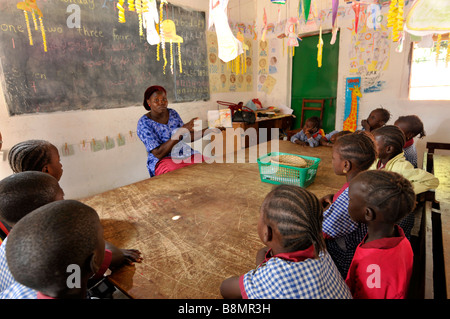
x=275, y=173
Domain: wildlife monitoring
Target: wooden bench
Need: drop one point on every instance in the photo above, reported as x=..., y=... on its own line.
x=431, y=245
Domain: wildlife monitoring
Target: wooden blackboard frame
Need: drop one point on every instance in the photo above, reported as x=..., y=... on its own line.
x=101, y=65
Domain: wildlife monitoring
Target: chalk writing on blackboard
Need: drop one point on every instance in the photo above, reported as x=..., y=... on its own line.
x=102, y=64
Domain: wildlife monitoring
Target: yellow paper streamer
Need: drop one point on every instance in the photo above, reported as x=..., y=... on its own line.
x=34, y=20
x=121, y=11
x=395, y=18
x=179, y=57
x=44, y=40
x=131, y=5
x=138, y=6
x=30, y=37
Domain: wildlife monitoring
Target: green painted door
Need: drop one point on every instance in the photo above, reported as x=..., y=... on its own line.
x=311, y=82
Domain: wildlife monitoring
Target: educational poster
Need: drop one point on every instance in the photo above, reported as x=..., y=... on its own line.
x=221, y=77
x=263, y=63
x=370, y=52
x=274, y=58
x=352, y=97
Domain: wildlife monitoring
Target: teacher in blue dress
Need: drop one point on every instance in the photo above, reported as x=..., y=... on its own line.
x=163, y=133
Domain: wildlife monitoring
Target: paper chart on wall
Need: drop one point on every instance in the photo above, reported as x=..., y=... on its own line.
x=221, y=78
x=369, y=55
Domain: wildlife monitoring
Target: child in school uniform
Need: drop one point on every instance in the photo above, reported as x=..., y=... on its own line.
x=389, y=141
x=35, y=155
x=382, y=265
x=310, y=135
x=73, y=237
x=377, y=118
x=352, y=153
x=411, y=125
x=20, y=194
x=294, y=264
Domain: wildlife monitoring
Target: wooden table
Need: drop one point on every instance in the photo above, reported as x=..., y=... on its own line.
x=195, y=226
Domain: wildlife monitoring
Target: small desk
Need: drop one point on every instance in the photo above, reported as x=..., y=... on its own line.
x=195, y=226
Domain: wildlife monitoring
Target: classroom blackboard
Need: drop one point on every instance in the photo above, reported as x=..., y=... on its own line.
x=102, y=64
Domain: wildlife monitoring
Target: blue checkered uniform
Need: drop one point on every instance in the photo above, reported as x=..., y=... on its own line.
x=9, y=287
x=309, y=279
x=411, y=154
x=346, y=234
x=336, y=220
x=343, y=249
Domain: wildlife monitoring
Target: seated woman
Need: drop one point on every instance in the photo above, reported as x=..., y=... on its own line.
x=162, y=131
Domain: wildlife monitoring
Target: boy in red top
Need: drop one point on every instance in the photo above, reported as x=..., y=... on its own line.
x=382, y=265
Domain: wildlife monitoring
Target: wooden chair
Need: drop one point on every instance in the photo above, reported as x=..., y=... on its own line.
x=307, y=108
x=305, y=102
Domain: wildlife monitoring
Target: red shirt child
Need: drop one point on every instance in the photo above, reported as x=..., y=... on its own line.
x=382, y=264
x=381, y=269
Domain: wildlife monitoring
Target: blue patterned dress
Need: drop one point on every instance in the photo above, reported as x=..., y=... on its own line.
x=153, y=134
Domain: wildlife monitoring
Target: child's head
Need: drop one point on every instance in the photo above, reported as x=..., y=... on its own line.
x=378, y=118
x=411, y=125
x=353, y=152
x=35, y=155
x=43, y=244
x=291, y=219
x=334, y=137
x=23, y=192
x=380, y=196
x=389, y=141
x=312, y=124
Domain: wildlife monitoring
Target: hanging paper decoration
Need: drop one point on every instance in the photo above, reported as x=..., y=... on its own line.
x=352, y=97
x=334, y=27
x=139, y=7
x=121, y=11
x=428, y=16
x=291, y=32
x=131, y=5
x=278, y=1
x=395, y=18
x=307, y=7
x=162, y=36
x=147, y=16
x=229, y=46
x=170, y=35
x=320, y=49
x=239, y=64
x=263, y=37
x=31, y=6
x=334, y=10
x=356, y=6
x=438, y=47
x=375, y=10
x=151, y=19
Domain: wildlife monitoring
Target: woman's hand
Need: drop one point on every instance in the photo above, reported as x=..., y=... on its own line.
x=190, y=125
